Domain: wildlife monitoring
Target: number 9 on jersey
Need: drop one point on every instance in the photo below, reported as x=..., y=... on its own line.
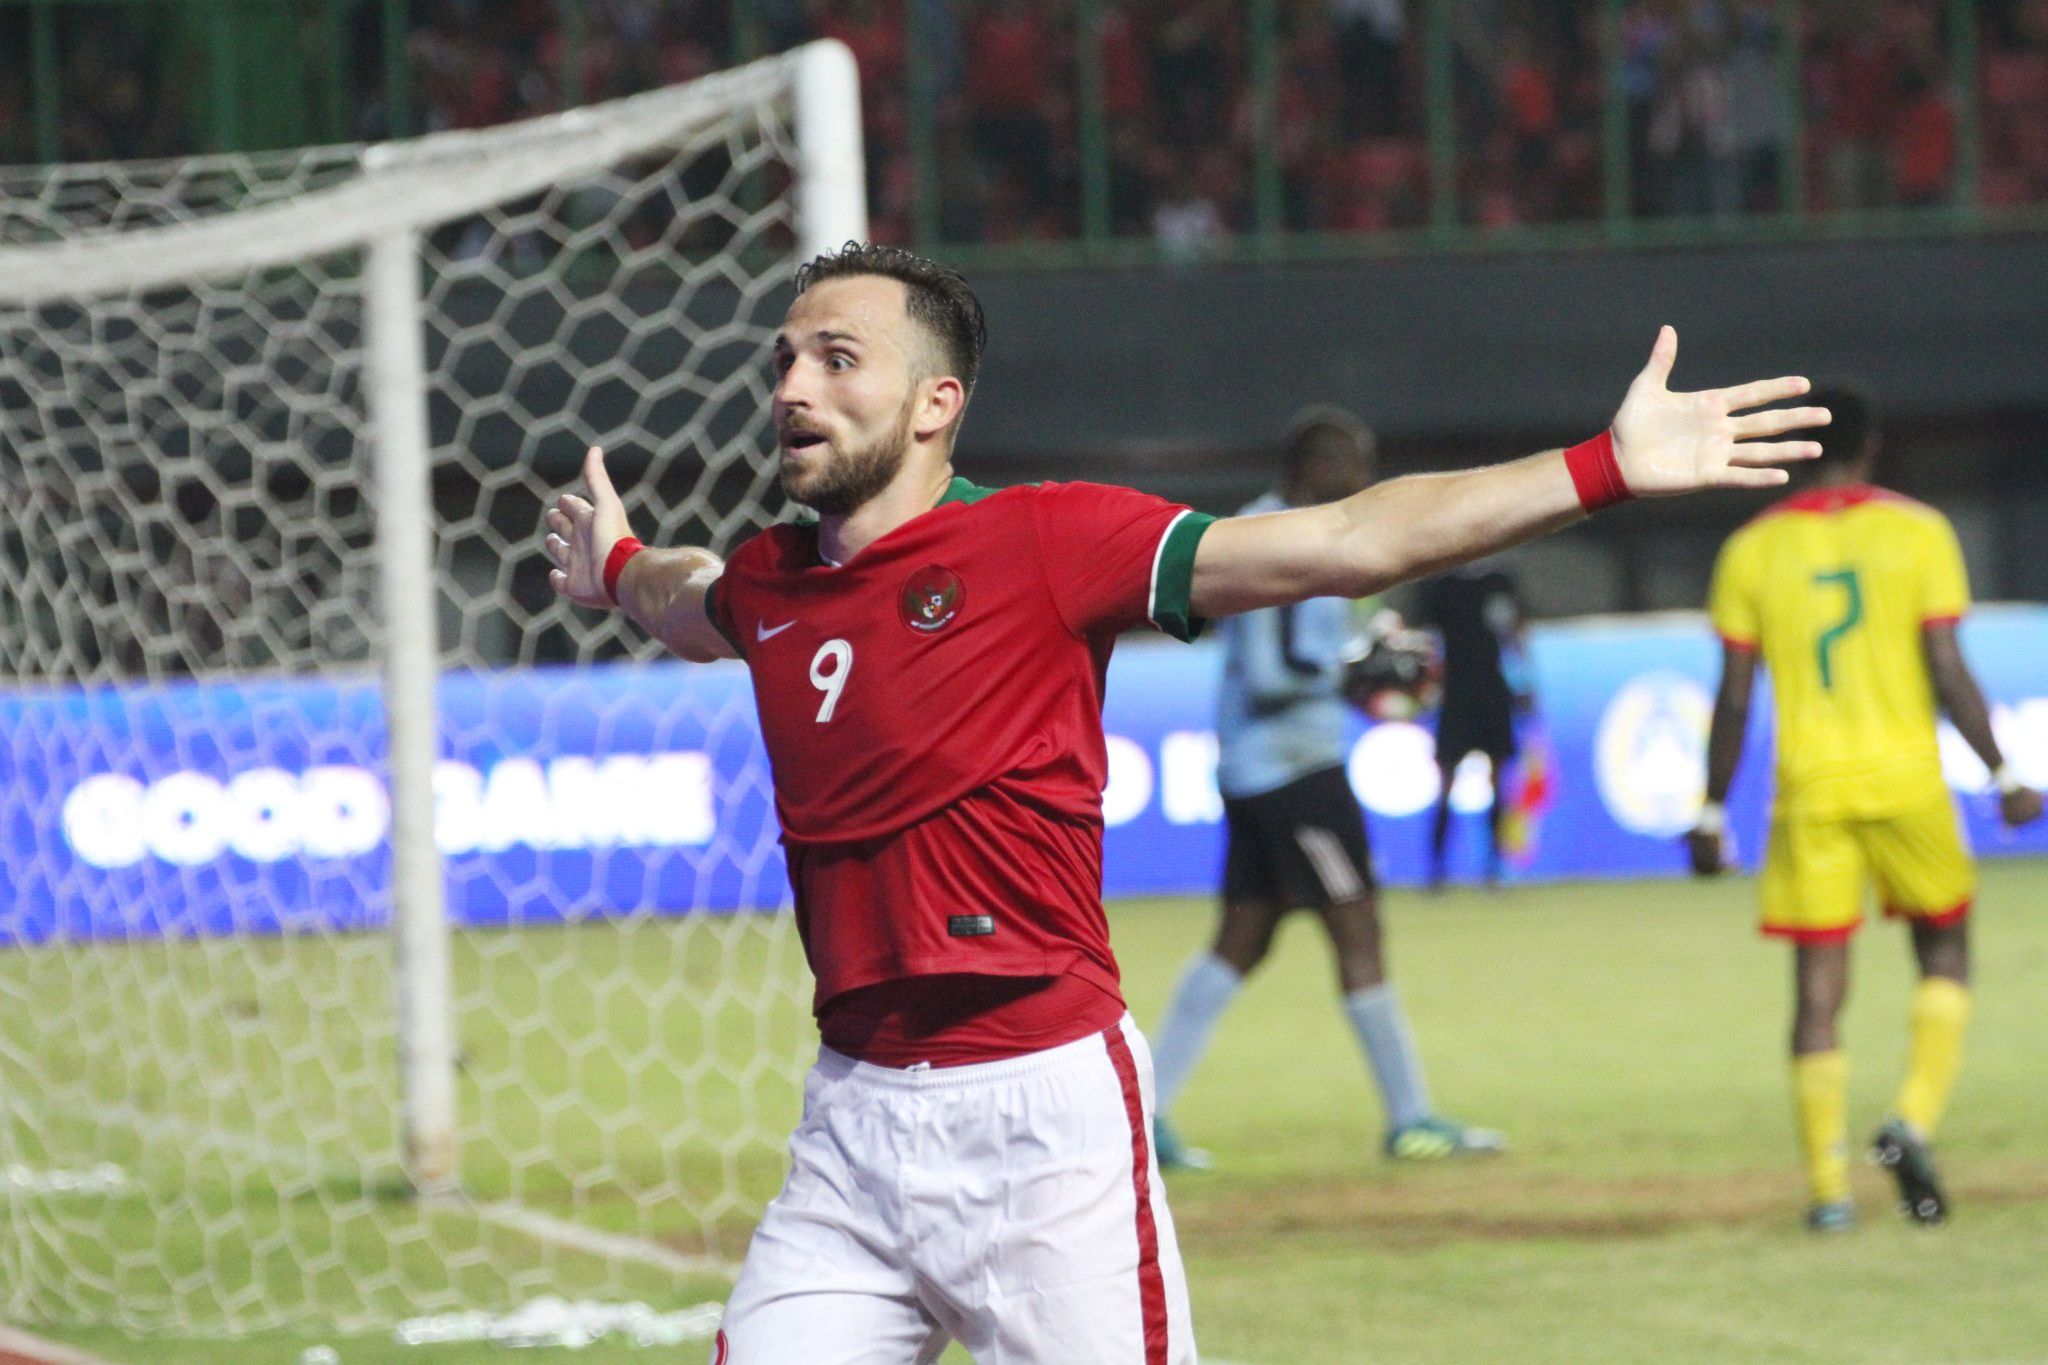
x=829, y=668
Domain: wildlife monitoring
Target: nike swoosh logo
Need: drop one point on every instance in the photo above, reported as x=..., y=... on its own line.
x=761, y=631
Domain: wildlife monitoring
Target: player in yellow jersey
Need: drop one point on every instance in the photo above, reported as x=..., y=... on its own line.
x=1850, y=596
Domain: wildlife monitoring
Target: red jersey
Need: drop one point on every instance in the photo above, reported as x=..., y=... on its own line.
x=933, y=716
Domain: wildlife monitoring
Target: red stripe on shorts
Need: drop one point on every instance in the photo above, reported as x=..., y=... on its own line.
x=1839, y=934
x=1939, y=919
x=1151, y=1284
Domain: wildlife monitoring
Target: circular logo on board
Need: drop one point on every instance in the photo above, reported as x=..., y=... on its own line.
x=1650, y=754
x=932, y=598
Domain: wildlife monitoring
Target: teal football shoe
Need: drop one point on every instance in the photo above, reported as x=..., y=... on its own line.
x=1172, y=1155
x=1837, y=1215
x=1437, y=1139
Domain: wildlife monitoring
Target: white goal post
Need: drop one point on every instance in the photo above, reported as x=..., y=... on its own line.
x=275, y=432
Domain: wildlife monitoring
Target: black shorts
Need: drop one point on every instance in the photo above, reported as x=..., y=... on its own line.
x=1301, y=844
x=1475, y=729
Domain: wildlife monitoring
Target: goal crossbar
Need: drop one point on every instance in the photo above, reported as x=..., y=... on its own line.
x=414, y=185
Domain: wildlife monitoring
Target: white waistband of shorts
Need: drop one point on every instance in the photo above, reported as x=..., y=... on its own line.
x=838, y=1064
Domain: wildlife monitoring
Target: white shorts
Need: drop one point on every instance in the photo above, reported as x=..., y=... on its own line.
x=1013, y=1206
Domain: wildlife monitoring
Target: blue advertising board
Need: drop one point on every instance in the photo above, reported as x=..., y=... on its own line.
x=561, y=793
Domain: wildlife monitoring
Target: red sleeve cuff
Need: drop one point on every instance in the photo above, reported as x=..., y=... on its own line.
x=1945, y=620
x=1746, y=646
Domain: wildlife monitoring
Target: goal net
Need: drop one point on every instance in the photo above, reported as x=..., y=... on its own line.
x=382, y=936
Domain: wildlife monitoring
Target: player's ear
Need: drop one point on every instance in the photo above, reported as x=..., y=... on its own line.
x=940, y=399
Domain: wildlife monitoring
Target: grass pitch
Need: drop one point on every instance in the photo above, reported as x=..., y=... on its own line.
x=1630, y=1039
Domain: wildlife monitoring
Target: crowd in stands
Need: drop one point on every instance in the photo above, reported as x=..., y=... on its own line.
x=1704, y=87
x=114, y=102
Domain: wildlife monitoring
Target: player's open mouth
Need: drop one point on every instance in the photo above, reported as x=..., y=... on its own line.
x=801, y=440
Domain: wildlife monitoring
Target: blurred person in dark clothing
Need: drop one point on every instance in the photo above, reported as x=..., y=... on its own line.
x=1478, y=611
x=1011, y=70
x=1369, y=38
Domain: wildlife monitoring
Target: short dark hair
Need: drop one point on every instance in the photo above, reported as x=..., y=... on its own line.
x=1311, y=426
x=1854, y=407
x=939, y=298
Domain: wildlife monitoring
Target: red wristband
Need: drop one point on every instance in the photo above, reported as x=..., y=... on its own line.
x=1596, y=474
x=615, y=563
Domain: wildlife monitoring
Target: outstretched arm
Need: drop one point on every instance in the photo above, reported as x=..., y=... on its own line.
x=1960, y=696
x=1724, y=755
x=662, y=590
x=1664, y=443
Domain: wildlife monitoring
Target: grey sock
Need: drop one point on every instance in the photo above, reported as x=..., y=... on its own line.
x=1390, y=1051
x=1198, y=1002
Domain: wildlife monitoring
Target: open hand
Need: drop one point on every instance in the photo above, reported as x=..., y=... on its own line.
x=1668, y=442
x=581, y=534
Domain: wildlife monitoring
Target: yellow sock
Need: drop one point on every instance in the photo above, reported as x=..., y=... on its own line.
x=1820, y=1092
x=1941, y=1010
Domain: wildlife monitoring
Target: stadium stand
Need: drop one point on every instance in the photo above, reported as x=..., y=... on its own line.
x=1707, y=130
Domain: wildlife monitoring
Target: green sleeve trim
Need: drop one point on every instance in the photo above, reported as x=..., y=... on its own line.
x=1173, y=577
x=960, y=490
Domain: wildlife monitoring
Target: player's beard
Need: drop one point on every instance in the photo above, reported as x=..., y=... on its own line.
x=849, y=481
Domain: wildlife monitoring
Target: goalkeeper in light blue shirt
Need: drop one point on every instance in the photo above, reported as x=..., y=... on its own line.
x=1296, y=834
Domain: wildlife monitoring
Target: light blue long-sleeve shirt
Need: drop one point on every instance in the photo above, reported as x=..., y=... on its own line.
x=1280, y=714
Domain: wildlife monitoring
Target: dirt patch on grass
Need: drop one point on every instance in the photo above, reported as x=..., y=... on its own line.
x=1496, y=1203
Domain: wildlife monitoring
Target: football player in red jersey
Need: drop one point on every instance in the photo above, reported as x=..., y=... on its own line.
x=928, y=660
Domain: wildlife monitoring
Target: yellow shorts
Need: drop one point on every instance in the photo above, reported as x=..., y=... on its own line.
x=1815, y=871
